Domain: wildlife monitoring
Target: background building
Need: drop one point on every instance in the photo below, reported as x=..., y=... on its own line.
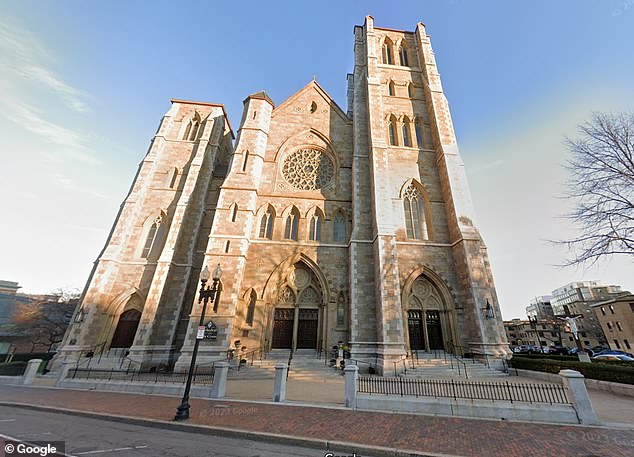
x=616, y=317
x=540, y=307
x=331, y=224
x=581, y=291
x=543, y=333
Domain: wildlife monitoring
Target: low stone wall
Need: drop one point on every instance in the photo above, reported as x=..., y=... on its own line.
x=606, y=386
x=138, y=387
x=536, y=412
x=9, y=380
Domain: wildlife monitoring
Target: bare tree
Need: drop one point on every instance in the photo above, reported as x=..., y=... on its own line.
x=601, y=183
x=43, y=321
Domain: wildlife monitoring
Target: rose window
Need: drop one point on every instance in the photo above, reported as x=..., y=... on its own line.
x=308, y=169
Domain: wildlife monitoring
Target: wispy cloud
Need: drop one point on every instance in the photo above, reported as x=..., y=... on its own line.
x=73, y=98
x=29, y=60
x=22, y=44
x=31, y=119
x=70, y=185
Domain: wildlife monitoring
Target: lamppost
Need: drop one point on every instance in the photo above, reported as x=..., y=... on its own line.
x=205, y=295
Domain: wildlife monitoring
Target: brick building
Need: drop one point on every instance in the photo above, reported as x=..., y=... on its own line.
x=330, y=224
x=616, y=316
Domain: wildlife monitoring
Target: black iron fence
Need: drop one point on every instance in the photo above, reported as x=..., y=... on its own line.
x=472, y=390
x=205, y=377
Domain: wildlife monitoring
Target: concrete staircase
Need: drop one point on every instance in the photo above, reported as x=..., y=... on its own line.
x=440, y=365
x=305, y=365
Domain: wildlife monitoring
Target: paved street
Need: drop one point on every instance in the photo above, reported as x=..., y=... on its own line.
x=424, y=434
x=97, y=437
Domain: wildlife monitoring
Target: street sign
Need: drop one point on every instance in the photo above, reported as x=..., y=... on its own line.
x=201, y=332
x=211, y=331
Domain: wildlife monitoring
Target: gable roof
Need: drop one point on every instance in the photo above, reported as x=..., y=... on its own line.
x=320, y=90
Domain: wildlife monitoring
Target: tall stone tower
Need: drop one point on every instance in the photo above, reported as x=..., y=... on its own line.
x=330, y=226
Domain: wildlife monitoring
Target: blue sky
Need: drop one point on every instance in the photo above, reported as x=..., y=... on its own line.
x=83, y=86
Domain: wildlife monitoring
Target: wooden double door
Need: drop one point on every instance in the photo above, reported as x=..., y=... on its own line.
x=126, y=329
x=432, y=326
x=284, y=326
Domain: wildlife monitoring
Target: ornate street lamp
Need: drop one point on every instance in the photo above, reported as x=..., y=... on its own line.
x=205, y=296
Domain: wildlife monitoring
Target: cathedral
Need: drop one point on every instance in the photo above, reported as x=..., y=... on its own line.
x=330, y=224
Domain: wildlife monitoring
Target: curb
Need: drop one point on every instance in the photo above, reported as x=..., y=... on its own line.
x=339, y=446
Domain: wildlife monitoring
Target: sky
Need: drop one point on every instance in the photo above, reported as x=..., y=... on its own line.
x=83, y=86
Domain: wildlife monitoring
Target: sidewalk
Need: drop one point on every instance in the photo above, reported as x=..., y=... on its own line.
x=424, y=434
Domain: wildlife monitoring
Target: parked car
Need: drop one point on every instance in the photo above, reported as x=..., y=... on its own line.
x=613, y=358
x=614, y=352
x=527, y=349
x=574, y=351
x=559, y=350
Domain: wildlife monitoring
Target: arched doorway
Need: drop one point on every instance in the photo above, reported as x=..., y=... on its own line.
x=429, y=317
x=297, y=314
x=283, y=319
x=415, y=329
x=126, y=329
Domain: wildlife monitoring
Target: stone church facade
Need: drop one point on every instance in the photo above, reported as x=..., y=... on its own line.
x=329, y=225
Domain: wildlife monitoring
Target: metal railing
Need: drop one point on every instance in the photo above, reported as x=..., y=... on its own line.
x=259, y=353
x=204, y=377
x=398, y=363
x=371, y=366
x=526, y=393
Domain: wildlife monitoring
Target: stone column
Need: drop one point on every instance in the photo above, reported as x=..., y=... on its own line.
x=352, y=375
x=220, y=380
x=279, y=391
x=31, y=371
x=63, y=372
x=576, y=392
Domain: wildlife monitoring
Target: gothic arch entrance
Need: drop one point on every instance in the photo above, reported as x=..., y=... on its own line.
x=126, y=329
x=298, y=311
x=430, y=319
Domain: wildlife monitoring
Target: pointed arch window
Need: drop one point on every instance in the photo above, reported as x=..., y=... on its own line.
x=339, y=229
x=407, y=140
x=234, y=212
x=193, y=128
x=391, y=130
x=410, y=90
x=152, y=236
x=251, y=308
x=388, y=56
x=390, y=89
x=290, y=231
x=419, y=134
x=403, y=57
x=173, y=176
x=266, y=224
x=246, y=159
x=315, y=228
x=341, y=310
x=415, y=214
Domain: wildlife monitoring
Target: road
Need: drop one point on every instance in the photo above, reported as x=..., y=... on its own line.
x=102, y=438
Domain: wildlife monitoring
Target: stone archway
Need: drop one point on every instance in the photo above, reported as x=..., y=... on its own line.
x=298, y=310
x=127, y=323
x=430, y=319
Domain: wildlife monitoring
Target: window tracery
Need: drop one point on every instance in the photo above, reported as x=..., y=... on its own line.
x=415, y=214
x=308, y=169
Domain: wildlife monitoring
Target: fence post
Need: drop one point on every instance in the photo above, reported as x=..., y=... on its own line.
x=351, y=373
x=575, y=388
x=63, y=373
x=30, y=371
x=279, y=391
x=220, y=380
